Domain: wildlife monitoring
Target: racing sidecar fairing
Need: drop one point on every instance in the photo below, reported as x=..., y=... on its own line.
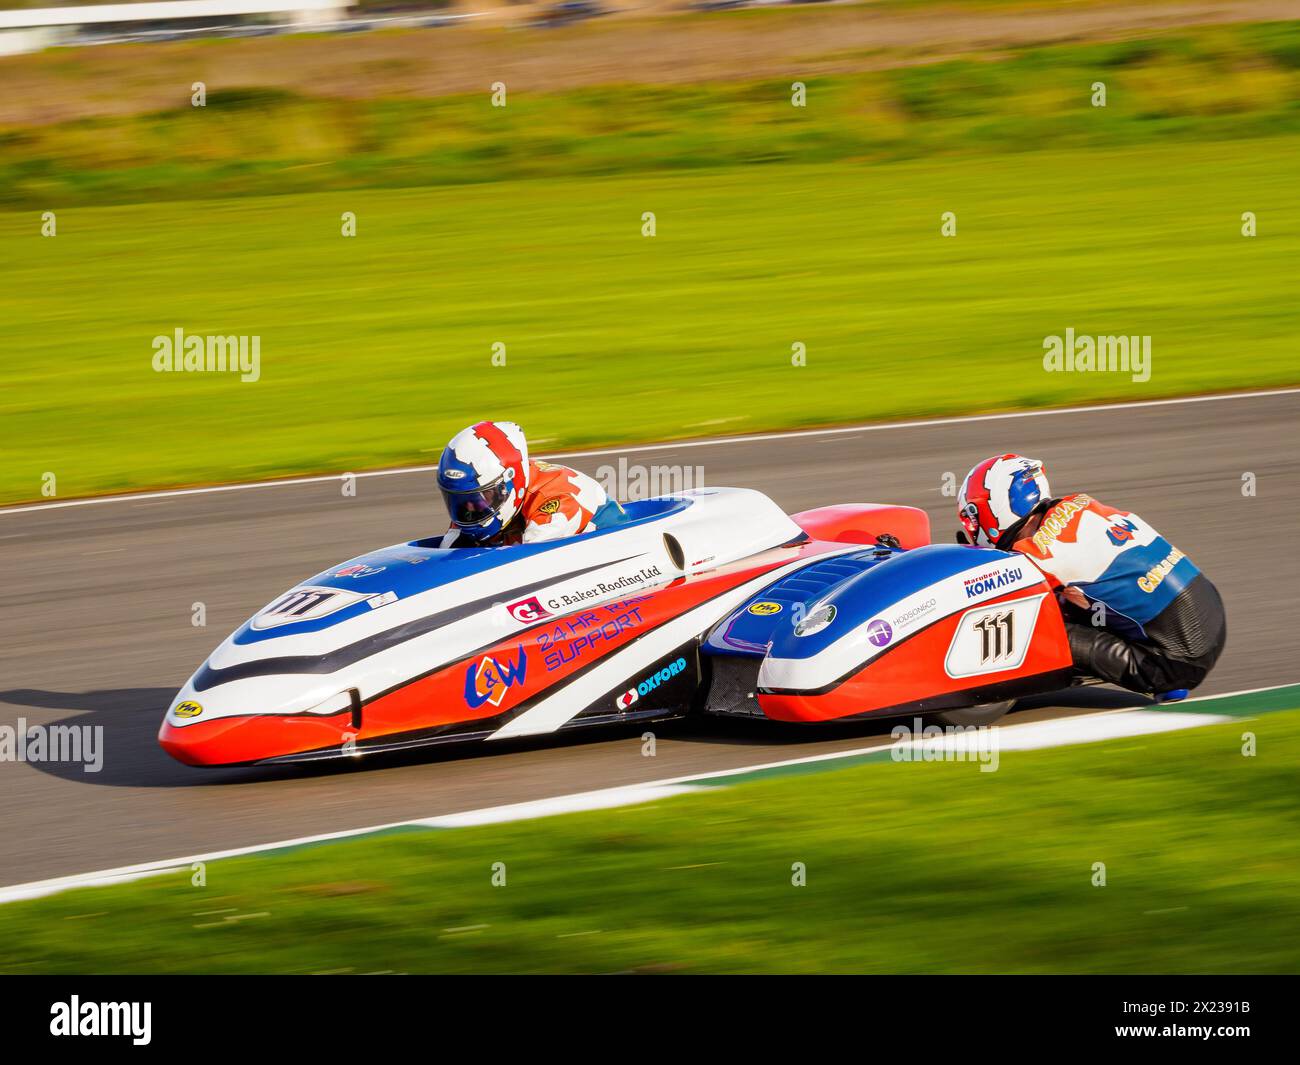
x=710, y=601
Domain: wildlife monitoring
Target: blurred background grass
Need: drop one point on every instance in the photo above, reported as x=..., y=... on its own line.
x=920, y=867
x=776, y=225
x=1227, y=84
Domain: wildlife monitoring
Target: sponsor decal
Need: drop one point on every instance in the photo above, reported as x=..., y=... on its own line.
x=358, y=570
x=188, y=709
x=550, y=506
x=527, y=610
x=1121, y=532
x=879, y=632
x=818, y=618
x=1152, y=579
x=453, y=475
x=1056, y=519
x=305, y=604
x=382, y=600
x=765, y=609
x=563, y=601
x=992, y=581
x=651, y=682
x=915, y=613
x=591, y=631
x=488, y=680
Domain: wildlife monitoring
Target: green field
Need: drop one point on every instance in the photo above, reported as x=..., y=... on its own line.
x=922, y=867
x=375, y=349
x=776, y=226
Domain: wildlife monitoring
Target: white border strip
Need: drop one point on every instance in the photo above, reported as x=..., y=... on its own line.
x=602, y=799
x=670, y=445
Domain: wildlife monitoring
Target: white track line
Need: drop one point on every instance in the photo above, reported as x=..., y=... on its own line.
x=1127, y=721
x=671, y=445
x=607, y=799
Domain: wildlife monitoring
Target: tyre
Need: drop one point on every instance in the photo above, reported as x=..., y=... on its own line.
x=984, y=714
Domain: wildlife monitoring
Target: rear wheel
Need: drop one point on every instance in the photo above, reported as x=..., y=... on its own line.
x=984, y=714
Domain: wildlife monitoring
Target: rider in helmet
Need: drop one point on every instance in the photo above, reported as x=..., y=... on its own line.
x=1138, y=612
x=496, y=496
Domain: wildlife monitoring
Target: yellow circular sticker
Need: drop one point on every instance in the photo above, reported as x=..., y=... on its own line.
x=188, y=710
x=762, y=609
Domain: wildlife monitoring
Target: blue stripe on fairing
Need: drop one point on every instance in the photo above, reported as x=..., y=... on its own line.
x=745, y=634
x=857, y=598
x=872, y=593
x=410, y=568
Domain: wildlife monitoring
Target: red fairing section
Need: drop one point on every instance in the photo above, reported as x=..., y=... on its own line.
x=245, y=739
x=891, y=679
x=486, y=685
x=861, y=523
x=532, y=662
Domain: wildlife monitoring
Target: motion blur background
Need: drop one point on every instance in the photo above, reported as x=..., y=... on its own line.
x=798, y=161
x=522, y=225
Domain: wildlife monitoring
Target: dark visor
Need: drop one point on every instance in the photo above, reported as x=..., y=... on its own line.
x=477, y=506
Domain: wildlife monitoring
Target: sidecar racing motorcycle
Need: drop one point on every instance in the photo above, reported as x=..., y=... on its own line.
x=713, y=601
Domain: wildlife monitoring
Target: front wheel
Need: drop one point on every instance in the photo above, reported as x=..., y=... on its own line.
x=984, y=714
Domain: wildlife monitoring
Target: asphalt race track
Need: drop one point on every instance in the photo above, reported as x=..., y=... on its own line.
x=95, y=618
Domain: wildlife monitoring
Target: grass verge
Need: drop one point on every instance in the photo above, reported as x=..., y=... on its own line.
x=1229, y=83
x=918, y=867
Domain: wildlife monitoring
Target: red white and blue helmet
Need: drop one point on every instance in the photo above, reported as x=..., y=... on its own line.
x=483, y=475
x=997, y=493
